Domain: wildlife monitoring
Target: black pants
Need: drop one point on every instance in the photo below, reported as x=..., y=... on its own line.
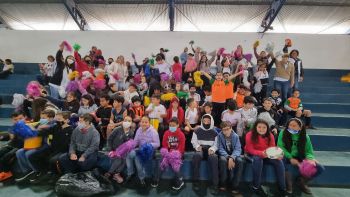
x=261, y=95
x=213, y=162
x=5, y=74
x=218, y=108
x=7, y=158
x=26, y=105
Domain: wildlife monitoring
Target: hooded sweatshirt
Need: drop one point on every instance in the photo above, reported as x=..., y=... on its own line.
x=205, y=137
x=149, y=136
x=174, y=140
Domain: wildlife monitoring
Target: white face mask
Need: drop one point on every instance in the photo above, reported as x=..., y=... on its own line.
x=70, y=61
x=126, y=125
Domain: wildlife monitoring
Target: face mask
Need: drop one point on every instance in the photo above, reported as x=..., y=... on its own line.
x=110, y=62
x=81, y=126
x=43, y=121
x=70, y=61
x=88, y=61
x=126, y=125
x=231, y=108
x=206, y=126
x=172, y=129
x=189, y=82
x=292, y=131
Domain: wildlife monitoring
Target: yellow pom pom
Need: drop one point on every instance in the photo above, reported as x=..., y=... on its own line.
x=146, y=101
x=73, y=75
x=256, y=43
x=167, y=96
x=198, y=82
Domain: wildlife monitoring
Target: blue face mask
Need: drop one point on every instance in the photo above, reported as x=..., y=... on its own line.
x=292, y=131
x=172, y=129
x=81, y=125
x=43, y=121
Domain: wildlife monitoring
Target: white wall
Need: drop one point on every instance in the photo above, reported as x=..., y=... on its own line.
x=317, y=51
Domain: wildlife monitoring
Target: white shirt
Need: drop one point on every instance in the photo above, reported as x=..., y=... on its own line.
x=196, y=97
x=163, y=68
x=156, y=112
x=207, y=99
x=191, y=115
x=128, y=96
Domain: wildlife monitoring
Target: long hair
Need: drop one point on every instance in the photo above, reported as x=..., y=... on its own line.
x=255, y=133
x=38, y=106
x=287, y=138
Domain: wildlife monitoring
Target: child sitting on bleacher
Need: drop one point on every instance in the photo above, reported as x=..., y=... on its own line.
x=229, y=151
x=82, y=154
x=257, y=141
x=173, y=140
x=203, y=141
x=7, y=69
x=295, y=109
x=8, y=152
x=297, y=148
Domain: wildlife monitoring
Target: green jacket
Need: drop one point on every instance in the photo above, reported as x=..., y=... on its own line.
x=309, y=152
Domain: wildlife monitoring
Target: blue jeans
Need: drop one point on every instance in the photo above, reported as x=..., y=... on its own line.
x=54, y=92
x=234, y=175
x=258, y=164
x=70, y=166
x=23, y=158
x=131, y=161
x=283, y=87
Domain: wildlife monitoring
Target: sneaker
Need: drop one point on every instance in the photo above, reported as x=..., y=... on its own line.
x=303, y=185
x=5, y=175
x=236, y=193
x=285, y=194
x=143, y=183
x=24, y=176
x=178, y=185
x=34, y=178
x=214, y=190
x=154, y=183
x=128, y=178
x=260, y=192
x=196, y=186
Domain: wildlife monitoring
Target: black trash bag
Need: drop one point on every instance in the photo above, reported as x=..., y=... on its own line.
x=88, y=183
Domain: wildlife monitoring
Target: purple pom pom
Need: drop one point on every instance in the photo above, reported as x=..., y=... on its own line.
x=248, y=57
x=164, y=77
x=72, y=86
x=123, y=149
x=172, y=158
x=307, y=169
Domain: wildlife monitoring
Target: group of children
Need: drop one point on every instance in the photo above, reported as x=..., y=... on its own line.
x=220, y=112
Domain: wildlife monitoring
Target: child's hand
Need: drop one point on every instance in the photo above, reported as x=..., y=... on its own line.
x=199, y=149
x=73, y=157
x=294, y=162
x=274, y=131
x=231, y=163
x=211, y=152
x=82, y=159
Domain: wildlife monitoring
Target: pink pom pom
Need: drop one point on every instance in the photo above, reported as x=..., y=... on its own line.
x=174, y=158
x=137, y=78
x=85, y=83
x=100, y=84
x=67, y=46
x=164, y=163
x=307, y=169
x=227, y=55
x=116, y=76
x=34, y=89
x=221, y=51
x=101, y=61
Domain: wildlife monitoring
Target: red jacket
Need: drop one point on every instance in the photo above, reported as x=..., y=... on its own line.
x=258, y=148
x=174, y=140
x=81, y=66
x=180, y=115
